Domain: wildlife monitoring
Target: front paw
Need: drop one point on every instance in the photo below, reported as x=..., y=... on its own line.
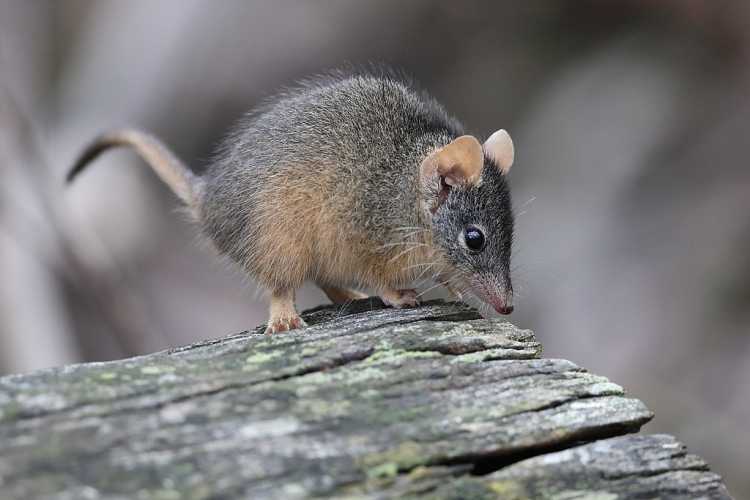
x=400, y=298
x=278, y=325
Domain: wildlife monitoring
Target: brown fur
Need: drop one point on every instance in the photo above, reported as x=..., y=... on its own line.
x=305, y=237
x=356, y=181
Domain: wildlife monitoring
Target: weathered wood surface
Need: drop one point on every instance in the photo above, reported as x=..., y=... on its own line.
x=366, y=403
x=633, y=466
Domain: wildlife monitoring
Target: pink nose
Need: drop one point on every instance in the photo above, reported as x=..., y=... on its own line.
x=504, y=309
x=501, y=300
x=501, y=305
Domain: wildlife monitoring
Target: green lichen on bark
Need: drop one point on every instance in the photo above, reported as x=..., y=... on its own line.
x=367, y=402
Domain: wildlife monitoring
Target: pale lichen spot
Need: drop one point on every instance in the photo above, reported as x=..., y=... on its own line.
x=383, y=471
x=262, y=357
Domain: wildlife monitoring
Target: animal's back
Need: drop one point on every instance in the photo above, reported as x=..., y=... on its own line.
x=357, y=180
x=329, y=164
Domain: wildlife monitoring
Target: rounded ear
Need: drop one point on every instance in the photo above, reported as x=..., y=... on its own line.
x=499, y=148
x=459, y=162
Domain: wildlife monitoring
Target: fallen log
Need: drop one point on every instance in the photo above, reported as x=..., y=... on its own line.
x=368, y=402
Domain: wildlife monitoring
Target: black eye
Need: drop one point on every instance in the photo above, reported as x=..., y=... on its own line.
x=474, y=238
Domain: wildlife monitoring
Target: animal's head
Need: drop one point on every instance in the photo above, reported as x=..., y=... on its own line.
x=467, y=198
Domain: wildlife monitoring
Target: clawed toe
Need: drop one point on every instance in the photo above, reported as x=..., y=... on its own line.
x=279, y=325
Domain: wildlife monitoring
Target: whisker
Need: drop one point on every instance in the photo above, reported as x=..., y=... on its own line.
x=525, y=203
x=425, y=270
x=410, y=249
x=400, y=243
x=420, y=265
x=405, y=241
x=413, y=232
x=429, y=289
x=342, y=307
x=395, y=244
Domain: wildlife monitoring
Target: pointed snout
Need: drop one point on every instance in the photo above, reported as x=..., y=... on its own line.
x=498, y=295
x=502, y=305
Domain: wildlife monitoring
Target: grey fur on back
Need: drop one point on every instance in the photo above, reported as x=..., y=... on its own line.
x=368, y=133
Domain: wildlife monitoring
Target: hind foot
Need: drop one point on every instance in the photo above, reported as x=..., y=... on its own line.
x=400, y=298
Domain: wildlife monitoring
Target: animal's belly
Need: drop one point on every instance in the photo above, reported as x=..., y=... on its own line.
x=349, y=264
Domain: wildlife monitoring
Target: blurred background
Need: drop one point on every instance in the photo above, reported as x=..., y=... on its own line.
x=630, y=119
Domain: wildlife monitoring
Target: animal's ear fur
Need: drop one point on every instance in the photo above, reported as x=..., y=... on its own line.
x=458, y=163
x=499, y=148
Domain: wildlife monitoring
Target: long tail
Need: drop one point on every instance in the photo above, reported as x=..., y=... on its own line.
x=168, y=167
